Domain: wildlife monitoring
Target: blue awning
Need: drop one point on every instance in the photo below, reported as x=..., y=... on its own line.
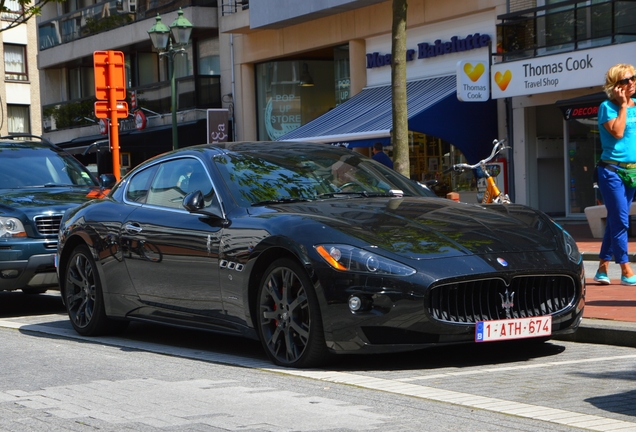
x=433, y=109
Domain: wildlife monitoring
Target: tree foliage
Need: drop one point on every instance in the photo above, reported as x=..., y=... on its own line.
x=400, y=138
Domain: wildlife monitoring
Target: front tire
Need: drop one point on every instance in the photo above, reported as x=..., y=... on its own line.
x=289, y=320
x=84, y=298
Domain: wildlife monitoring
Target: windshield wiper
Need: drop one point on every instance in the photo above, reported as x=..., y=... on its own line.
x=280, y=201
x=51, y=185
x=337, y=194
x=365, y=194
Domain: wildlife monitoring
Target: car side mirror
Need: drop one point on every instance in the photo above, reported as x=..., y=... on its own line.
x=194, y=203
x=107, y=181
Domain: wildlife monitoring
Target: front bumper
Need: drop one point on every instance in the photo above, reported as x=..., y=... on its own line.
x=37, y=271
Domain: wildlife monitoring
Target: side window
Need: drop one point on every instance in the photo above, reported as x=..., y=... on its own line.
x=175, y=179
x=139, y=185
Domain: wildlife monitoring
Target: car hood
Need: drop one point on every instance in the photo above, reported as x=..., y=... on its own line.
x=435, y=227
x=38, y=200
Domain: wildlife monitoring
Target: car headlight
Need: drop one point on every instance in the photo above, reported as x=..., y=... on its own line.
x=348, y=258
x=11, y=227
x=571, y=248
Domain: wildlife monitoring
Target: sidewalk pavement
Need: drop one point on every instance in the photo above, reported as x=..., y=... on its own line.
x=610, y=310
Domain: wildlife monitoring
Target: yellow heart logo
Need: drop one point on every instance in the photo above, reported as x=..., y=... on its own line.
x=474, y=73
x=503, y=80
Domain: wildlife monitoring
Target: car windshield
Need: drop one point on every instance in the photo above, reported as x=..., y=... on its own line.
x=302, y=173
x=25, y=166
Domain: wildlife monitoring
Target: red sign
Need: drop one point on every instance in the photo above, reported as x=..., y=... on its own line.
x=103, y=126
x=140, y=120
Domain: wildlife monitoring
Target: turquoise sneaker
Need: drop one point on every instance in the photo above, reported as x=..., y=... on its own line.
x=630, y=281
x=603, y=279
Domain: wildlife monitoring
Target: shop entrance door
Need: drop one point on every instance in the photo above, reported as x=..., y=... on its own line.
x=582, y=151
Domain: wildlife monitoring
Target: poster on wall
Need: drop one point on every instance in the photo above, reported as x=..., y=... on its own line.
x=282, y=114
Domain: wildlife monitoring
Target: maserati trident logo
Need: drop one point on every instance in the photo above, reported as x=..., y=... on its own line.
x=507, y=302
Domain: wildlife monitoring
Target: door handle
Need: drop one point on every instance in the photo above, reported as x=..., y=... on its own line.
x=131, y=228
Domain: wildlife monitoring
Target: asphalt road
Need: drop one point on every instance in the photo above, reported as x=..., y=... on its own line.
x=153, y=378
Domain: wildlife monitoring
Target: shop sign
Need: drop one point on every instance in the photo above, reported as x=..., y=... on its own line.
x=218, y=125
x=473, y=81
x=438, y=48
x=572, y=70
x=581, y=112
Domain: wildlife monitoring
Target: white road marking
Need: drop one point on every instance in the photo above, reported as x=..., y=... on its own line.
x=399, y=387
x=513, y=368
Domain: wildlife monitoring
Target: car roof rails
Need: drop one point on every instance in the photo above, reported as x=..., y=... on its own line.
x=29, y=136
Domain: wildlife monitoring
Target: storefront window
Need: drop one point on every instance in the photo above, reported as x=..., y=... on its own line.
x=584, y=149
x=286, y=98
x=431, y=157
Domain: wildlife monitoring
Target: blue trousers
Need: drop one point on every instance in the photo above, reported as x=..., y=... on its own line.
x=618, y=200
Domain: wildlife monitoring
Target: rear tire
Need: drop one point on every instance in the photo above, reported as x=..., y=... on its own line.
x=84, y=298
x=288, y=317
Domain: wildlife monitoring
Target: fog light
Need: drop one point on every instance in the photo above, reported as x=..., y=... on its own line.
x=355, y=303
x=9, y=274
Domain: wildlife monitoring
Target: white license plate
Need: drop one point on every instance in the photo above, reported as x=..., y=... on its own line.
x=518, y=328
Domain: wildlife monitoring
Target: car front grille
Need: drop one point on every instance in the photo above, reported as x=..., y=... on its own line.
x=492, y=299
x=48, y=224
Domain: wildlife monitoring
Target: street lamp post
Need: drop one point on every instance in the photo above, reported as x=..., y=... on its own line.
x=180, y=30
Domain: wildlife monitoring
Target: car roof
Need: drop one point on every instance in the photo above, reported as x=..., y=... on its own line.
x=27, y=141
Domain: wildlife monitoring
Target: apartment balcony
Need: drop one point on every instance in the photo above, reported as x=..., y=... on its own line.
x=235, y=17
x=193, y=92
x=80, y=33
x=565, y=26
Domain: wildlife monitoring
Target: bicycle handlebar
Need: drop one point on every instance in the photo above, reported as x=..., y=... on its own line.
x=498, y=145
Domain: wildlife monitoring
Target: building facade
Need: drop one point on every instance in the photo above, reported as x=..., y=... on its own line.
x=344, y=48
x=320, y=70
x=20, y=95
x=68, y=35
x=552, y=64
x=545, y=113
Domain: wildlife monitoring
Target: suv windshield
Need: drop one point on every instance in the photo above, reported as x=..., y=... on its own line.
x=35, y=165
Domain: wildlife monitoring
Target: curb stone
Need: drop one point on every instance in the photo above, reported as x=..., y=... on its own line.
x=603, y=332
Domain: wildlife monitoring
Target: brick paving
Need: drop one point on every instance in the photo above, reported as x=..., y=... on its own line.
x=608, y=302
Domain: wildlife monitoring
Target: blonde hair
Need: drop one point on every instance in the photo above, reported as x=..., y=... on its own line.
x=614, y=75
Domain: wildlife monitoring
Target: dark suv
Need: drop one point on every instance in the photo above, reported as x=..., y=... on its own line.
x=38, y=183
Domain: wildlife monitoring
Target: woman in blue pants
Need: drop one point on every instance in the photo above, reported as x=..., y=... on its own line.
x=617, y=128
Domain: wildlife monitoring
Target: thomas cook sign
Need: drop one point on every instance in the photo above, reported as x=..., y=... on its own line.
x=572, y=70
x=473, y=81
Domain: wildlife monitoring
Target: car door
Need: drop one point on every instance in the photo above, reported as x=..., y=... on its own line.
x=172, y=255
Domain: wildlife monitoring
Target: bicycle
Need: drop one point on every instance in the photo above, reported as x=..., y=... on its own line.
x=492, y=194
